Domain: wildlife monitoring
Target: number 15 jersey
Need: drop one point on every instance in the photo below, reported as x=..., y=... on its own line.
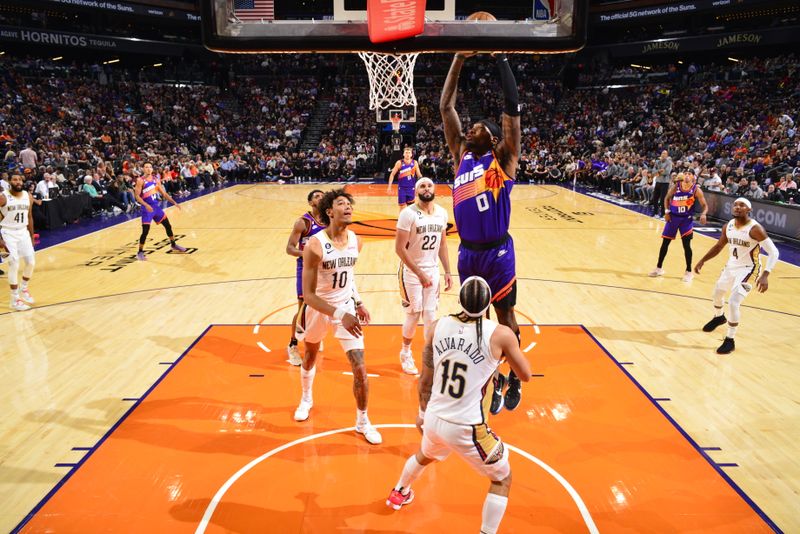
x=462, y=372
x=336, y=271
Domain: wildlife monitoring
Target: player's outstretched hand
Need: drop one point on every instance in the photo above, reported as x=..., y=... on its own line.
x=698, y=267
x=351, y=324
x=763, y=282
x=363, y=314
x=448, y=281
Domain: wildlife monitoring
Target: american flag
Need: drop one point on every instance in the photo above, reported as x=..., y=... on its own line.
x=254, y=9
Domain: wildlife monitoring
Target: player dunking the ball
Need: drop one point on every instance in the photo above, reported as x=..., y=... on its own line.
x=487, y=163
x=304, y=227
x=407, y=172
x=420, y=242
x=460, y=357
x=144, y=192
x=331, y=301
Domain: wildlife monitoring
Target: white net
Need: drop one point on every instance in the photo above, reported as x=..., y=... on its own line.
x=391, y=79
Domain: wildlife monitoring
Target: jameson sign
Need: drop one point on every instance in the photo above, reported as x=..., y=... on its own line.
x=779, y=219
x=131, y=9
x=77, y=40
x=725, y=41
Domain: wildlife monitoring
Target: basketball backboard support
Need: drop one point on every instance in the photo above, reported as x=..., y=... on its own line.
x=523, y=26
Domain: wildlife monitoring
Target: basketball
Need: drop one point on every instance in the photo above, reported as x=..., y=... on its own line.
x=481, y=15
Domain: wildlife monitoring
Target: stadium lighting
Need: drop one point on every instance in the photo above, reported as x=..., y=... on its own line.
x=640, y=66
x=680, y=62
x=157, y=64
x=110, y=61
x=733, y=59
x=1, y=53
x=57, y=58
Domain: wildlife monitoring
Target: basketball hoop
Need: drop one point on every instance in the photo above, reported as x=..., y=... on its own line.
x=395, y=120
x=391, y=80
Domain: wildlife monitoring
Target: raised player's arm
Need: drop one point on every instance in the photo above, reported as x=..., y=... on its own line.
x=447, y=107
x=758, y=233
x=508, y=150
x=293, y=245
x=713, y=251
x=394, y=172
x=701, y=199
x=504, y=343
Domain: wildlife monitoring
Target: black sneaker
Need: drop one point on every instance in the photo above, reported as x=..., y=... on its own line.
x=727, y=346
x=713, y=323
x=497, y=394
x=514, y=392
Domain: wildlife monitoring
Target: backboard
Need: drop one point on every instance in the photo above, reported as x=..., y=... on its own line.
x=523, y=26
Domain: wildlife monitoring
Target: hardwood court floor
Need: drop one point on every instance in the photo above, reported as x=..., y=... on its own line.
x=105, y=327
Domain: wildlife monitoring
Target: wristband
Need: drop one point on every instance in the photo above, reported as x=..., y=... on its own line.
x=339, y=313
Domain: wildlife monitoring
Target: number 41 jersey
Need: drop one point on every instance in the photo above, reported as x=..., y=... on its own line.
x=462, y=372
x=337, y=269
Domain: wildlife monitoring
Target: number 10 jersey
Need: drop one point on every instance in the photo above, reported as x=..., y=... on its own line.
x=337, y=269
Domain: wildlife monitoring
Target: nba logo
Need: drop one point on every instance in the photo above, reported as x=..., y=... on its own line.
x=543, y=9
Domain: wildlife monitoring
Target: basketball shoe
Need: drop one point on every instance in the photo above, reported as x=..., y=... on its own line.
x=294, y=355
x=658, y=271
x=141, y=256
x=514, y=392
x=176, y=248
x=370, y=433
x=396, y=498
x=497, y=394
x=17, y=304
x=714, y=323
x=728, y=346
x=407, y=362
x=301, y=413
x=25, y=295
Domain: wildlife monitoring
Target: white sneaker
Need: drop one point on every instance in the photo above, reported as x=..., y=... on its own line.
x=407, y=362
x=370, y=433
x=26, y=297
x=18, y=305
x=301, y=413
x=687, y=276
x=294, y=355
x=656, y=272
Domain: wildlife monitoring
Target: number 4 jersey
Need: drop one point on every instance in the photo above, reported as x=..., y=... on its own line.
x=337, y=269
x=462, y=372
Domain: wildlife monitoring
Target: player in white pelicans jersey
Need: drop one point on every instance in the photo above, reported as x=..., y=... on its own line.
x=745, y=238
x=16, y=236
x=421, y=241
x=331, y=301
x=460, y=358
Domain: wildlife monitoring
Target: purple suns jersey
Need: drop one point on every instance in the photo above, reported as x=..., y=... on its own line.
x=482, y=198
x=406, y=178
x=149, y=190
x=682, y=203
x=312, y=227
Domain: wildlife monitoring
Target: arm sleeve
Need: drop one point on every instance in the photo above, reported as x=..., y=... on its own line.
x=772, y=251
x=510, y=91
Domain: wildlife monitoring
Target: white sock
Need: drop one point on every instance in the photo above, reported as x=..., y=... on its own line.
x=361, y=417
x=411, y=472
x=493, y=509
x=24, y=285
x=307, y=381
x=731, y=331
x=15, y=293
x=717, y=311
x=406, y=346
